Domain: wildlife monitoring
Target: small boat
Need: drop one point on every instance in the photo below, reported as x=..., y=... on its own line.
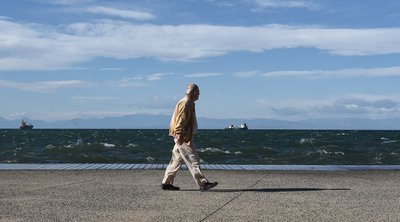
x=25, y=125
x=242, y=126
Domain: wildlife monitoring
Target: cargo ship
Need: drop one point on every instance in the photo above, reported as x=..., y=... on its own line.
x=242, y=126
x=25, y=125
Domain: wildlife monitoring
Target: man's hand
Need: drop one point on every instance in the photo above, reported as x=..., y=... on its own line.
x=179, y=139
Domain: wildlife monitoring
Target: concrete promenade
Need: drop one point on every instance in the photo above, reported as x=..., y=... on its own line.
x=149, y=166
x=242, y=195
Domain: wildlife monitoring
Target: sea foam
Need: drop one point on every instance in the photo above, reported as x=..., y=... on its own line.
x=108, y=145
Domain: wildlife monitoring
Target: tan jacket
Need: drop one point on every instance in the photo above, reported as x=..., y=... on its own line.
x=183, y=121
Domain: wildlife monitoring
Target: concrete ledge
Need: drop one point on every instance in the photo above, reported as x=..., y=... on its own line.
x=142, y=166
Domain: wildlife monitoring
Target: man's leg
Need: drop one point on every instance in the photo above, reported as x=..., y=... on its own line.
x=173, y=166
x=191, y=158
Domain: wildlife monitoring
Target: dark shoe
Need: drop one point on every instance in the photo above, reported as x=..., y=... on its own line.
x=169, y=187
x=208, y=186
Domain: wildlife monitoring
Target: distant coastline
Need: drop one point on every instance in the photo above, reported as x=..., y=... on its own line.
x=145, y=121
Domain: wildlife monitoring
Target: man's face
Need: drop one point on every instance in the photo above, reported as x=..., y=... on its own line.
x=195, y=94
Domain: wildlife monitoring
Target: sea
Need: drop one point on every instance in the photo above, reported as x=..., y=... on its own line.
x=289, y=147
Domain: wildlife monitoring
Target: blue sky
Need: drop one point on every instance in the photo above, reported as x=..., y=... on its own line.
x=286, y=60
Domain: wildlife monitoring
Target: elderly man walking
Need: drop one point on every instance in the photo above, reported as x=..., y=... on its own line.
x=183, y=126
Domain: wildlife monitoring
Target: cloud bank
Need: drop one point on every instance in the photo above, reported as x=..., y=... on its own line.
x=353, y=106
x=41, y=47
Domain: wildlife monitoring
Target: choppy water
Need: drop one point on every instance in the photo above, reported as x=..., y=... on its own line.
x=214, y=146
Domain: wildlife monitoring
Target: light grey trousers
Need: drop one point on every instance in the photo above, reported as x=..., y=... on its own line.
x=184, y=153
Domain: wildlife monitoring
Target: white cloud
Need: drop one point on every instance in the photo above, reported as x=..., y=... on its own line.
x=203, y=75
x=138, y=15
x=222, y=3
x=286, y=4
x=113, y=69
x=40, y=47
x=360, y=106
x=155, y=76
x=341, y=73
x=369, y=97
x=47, y=86
x=64, y=2
x=92, y=98
x=247, y=74
x=4, y=17
x=138, y=80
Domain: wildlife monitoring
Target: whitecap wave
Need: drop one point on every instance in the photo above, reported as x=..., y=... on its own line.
x=389, y=141
x=213, y=150
x=150, y=159
x=50, y=146
x=325, y=152
x=78, y=142
x=108, y=145
x=306, y=140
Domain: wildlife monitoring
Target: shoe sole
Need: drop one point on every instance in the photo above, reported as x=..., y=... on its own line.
x=209, y=188
x=173, y=189
x=170, y=189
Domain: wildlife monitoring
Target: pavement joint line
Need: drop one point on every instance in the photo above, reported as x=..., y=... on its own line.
x=119, y=166
x=148, y=166
x=135, y=167
x=92, y=166
x=68, y=166
x=86, y=167
x=126, y=166
x=79, y=166
x=229, y=201
x=99, y=166
x=141, y=166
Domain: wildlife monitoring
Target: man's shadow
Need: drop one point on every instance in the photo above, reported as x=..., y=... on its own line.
x=270, y=190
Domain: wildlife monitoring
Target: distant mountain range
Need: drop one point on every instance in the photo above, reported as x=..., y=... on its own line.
x=144, y=121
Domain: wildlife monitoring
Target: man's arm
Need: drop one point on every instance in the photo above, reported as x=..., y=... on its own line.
x=181, y=123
